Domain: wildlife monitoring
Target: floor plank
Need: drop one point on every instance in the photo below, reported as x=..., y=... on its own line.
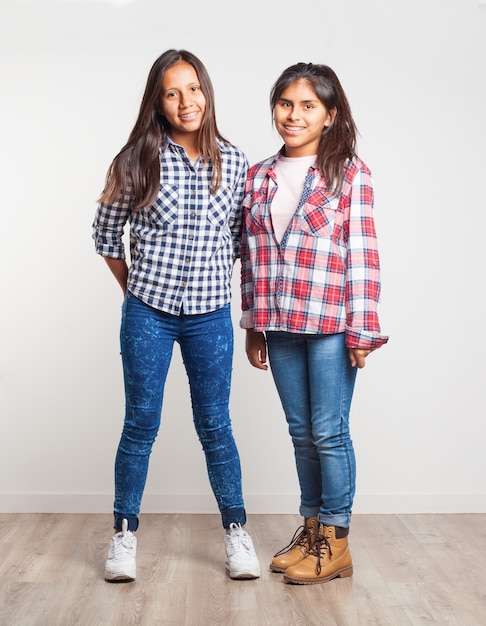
x=408, y=570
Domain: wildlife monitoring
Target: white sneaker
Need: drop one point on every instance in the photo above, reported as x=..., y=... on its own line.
x=241, y=561
x=120, y=564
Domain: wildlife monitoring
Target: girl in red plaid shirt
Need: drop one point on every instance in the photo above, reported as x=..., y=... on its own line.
x=310, y=293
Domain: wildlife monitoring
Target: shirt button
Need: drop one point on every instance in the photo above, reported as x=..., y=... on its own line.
x=187, y=259
x=184, y=284
x=193, y=214
x=191, y=237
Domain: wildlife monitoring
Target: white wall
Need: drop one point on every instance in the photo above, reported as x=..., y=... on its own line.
x=72, y=76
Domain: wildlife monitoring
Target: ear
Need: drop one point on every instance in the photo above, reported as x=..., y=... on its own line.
x=331, y=116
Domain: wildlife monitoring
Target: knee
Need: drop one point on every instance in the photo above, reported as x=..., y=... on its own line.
x=138, y=436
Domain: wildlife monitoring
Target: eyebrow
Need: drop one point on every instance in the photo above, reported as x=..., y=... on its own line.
x=299, y=101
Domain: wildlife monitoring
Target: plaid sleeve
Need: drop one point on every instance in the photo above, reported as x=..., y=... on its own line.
x=109, y=224
x=246, y=283
x=246, y=271
x=363, y=270
x=236, y=219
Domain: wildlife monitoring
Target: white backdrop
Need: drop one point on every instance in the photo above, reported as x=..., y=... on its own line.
x=72, y=75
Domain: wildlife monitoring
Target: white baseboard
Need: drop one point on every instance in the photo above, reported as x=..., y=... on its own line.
x=255, y=503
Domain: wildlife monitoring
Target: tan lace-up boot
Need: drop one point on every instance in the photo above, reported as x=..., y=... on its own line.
x=298, y=548
x=328, y=558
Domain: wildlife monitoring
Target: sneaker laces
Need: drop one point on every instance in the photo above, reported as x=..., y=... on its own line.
x=122, y=542
x=302, y=537
x=239, y=537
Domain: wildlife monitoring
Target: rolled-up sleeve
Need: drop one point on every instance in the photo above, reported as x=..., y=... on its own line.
x=109, y=224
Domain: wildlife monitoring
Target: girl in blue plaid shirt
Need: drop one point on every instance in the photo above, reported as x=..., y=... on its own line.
x=179, y=184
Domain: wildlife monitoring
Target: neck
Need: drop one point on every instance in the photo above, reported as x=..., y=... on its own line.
x=190, y=143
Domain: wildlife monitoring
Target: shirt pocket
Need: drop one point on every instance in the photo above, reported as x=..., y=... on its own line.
x=220, y=206
x=321, y=215
x=254, y=213
x=163, y=212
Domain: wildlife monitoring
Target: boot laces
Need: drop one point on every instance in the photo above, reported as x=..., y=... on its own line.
x=321, y=544
x=302, y=537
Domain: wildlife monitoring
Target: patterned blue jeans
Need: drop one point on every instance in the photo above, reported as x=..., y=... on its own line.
x=147, y=338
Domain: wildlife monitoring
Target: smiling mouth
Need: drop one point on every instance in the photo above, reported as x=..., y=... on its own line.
x=189, y=116
x=293, y=129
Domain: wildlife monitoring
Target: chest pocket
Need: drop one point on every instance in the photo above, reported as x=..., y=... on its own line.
x=220, y=206
x=255, y=218
x=321, y=215
x=164, y=210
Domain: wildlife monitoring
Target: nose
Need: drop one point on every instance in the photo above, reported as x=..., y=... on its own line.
x=293, y=114
x=185, y=100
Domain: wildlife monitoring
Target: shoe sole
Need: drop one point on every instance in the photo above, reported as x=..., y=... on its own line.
x=242, y=575
x=119, y=578
x=344, y=573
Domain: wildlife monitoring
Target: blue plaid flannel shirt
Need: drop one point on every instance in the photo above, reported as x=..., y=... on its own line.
x=183, y=246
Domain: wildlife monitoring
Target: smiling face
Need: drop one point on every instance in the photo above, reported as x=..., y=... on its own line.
x=182, y=102
x=300, y=118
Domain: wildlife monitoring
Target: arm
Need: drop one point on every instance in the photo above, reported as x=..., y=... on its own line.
x=363, y=273
x=108, y=227
x=246, y=276
x=255, y=344
x=236, y=218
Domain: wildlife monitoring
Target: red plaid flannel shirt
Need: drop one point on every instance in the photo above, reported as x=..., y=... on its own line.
x=324, y=277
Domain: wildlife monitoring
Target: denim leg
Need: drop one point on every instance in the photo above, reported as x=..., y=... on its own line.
x=332, y=380
x=288, y=360
x=207, y=352
x=146, y=339
x=315, y=381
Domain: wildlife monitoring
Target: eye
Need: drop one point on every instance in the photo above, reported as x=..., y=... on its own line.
x=195, y=88
x=171, y=94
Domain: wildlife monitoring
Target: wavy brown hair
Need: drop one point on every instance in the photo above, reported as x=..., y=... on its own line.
x=139, y=157
x=338, y=141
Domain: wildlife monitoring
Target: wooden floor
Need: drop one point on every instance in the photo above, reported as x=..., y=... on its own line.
x=408, y=569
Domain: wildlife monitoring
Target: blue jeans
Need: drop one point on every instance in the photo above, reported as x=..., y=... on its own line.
x=315, y=382
x=147, y=338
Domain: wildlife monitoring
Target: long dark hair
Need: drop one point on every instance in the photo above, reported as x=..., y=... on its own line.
x=338, y=141
x=140, y=155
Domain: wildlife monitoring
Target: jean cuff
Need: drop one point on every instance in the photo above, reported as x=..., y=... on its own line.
x=131, y=519
x=343, y=520
x=233, y=516
x=308, y=511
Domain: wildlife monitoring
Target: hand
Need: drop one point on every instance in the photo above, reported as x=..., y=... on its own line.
x=358, y=356
x=256, y=349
